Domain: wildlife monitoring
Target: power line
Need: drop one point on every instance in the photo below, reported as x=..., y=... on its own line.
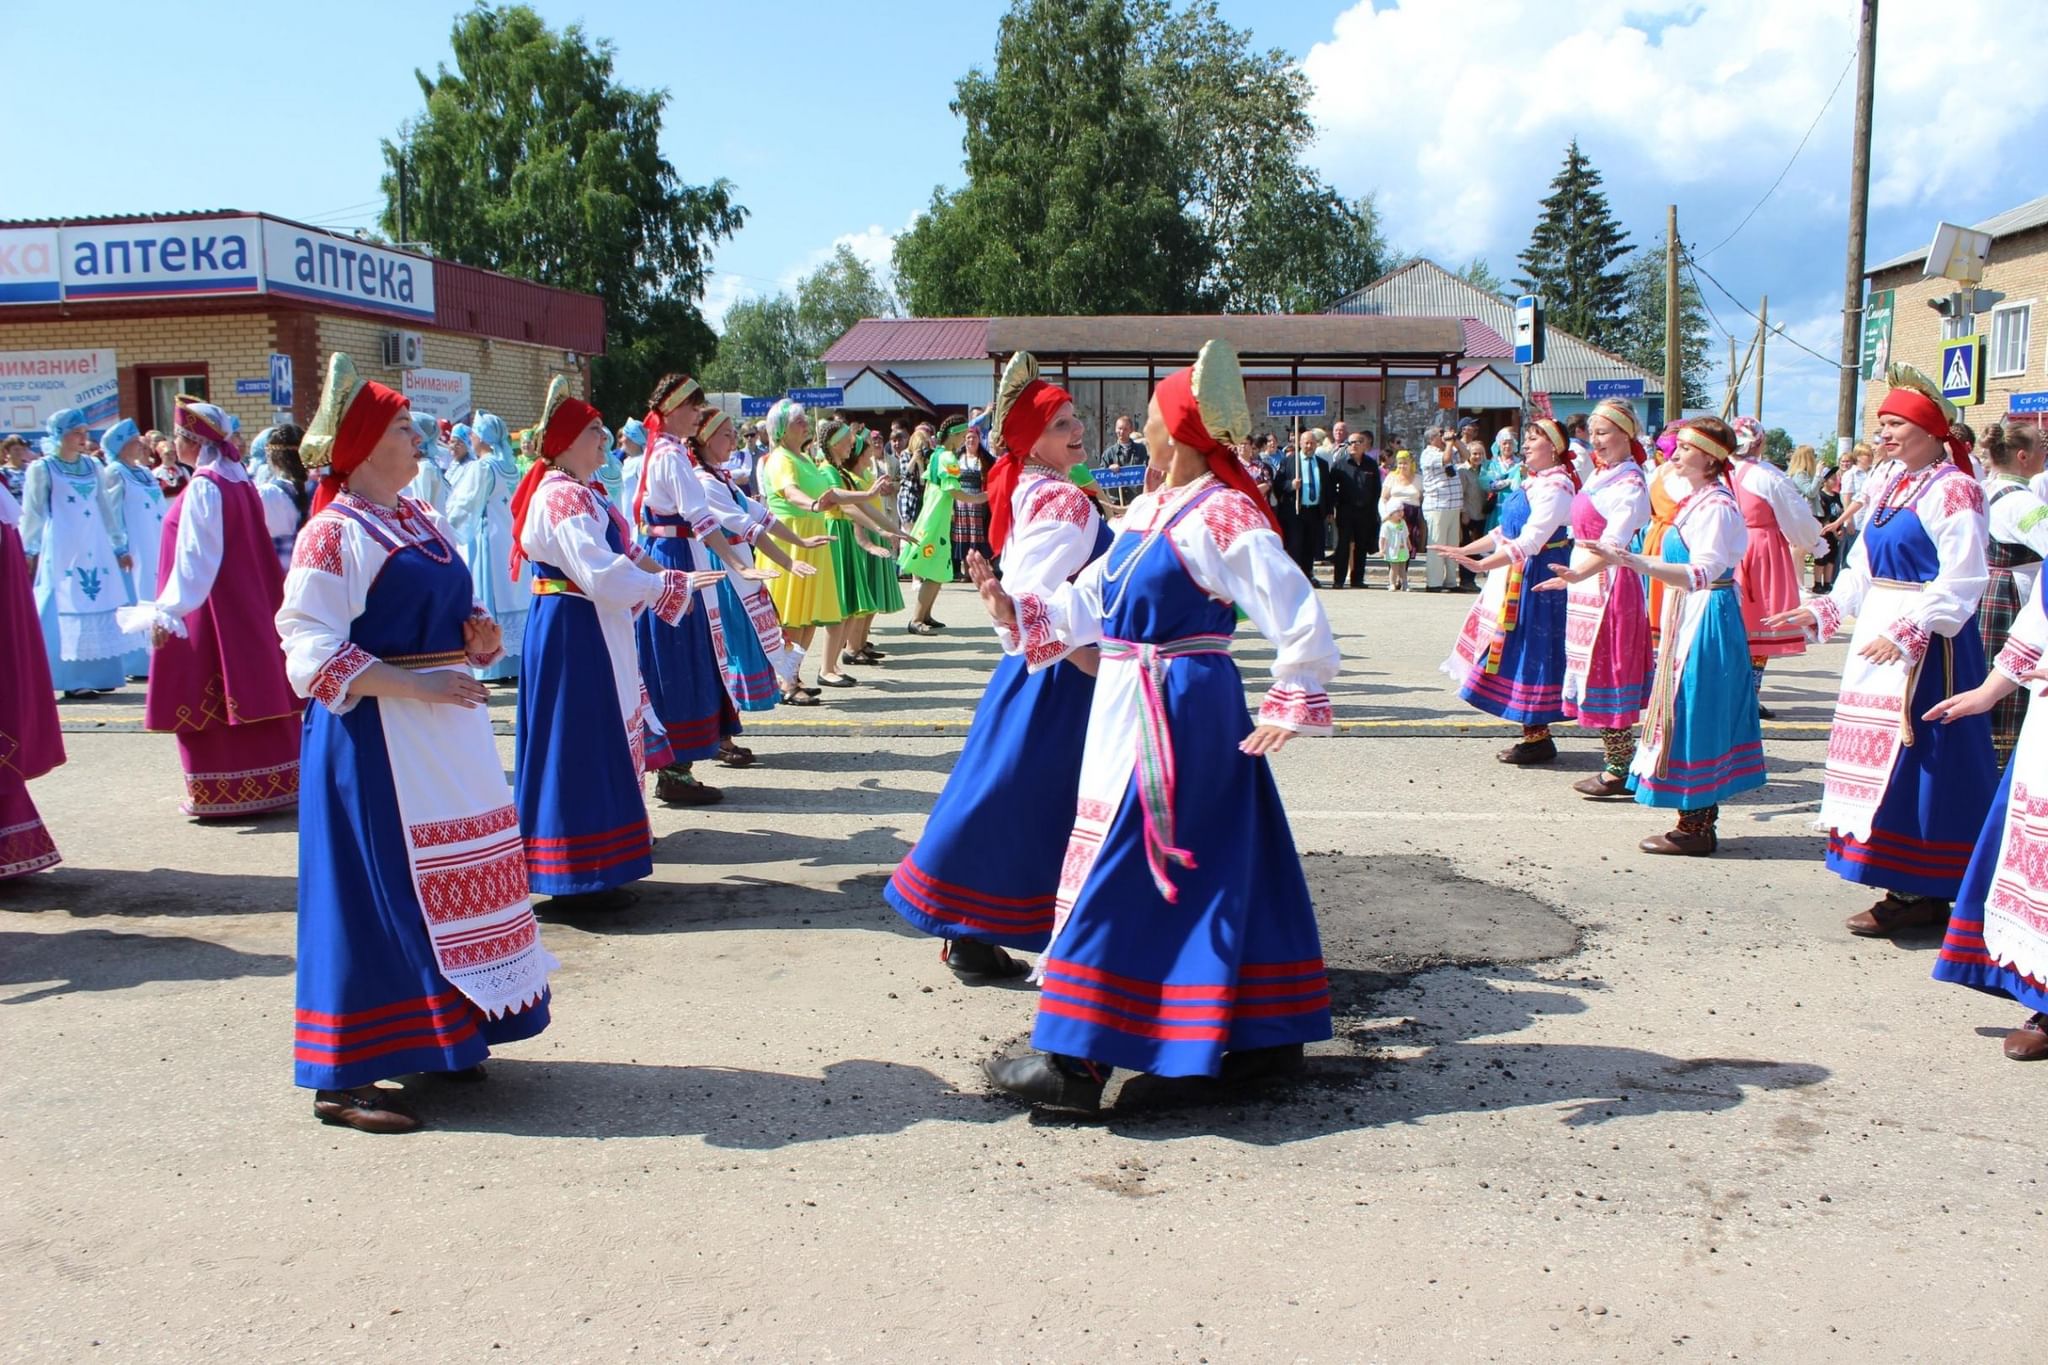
x=1693, y=265
x=1795, y=157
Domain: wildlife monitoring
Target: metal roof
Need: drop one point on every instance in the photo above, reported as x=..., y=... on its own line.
x=890, y=341
x=2032, y=214
x=1322, y=336
x=1483, y=343
x=1422, y=288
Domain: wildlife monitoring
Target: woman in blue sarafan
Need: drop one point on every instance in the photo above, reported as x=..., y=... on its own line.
x=986, y=869
x=480, y=510
x=1184, y=942
x=417, y=945
x=586, y=731
x=1509, y=658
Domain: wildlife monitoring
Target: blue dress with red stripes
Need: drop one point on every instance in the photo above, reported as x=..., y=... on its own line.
x=1133, y=981
x=574, y=778
x=677, y=662
x=1528, y=686
x=372, y=1002
x=1964, y=959
x=988, y=864
x=1941, y=785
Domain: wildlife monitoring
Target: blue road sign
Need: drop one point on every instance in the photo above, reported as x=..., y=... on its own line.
x=1962, y=378
x=249, y=387
x=1297, y=405
x=1597, y=389
x=755, y=407
x=1528, y=330
x=818, y=398
x=1121, y=476
x=280, y=380
x=2027, y=402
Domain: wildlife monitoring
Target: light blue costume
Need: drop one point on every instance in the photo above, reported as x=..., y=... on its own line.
x=71, y=525
x=480, y=514
x=142, y=509
x=612, y=474
x=634, y=464
x=430, y=485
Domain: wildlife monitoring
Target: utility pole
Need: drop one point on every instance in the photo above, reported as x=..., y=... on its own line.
x=1763, y=332
x=1674, y=374
x=1859, y=200
x=403, y=148
x=1734, y=385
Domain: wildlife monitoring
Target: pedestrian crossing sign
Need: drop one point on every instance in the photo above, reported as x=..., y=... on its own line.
x=1962, y=370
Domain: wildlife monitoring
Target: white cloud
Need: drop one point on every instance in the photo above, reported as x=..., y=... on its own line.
x=873, y=244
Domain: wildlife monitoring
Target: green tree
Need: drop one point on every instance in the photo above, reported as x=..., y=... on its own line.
x=1064, y=210
x=1640, y=337
x=1778, y=446
x=772, y=344
x=532, y=160
x=1573, y=255
x=1477, y=272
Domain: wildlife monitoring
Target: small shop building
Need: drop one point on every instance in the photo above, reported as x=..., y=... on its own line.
x=120, y=315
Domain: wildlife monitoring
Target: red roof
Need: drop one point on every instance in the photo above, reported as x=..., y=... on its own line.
x=1483, y=343
x=485, y=303
x=891, y=341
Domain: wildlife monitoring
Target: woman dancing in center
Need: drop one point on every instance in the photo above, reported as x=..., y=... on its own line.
x=1509, y=659
x=985, y=872
x=1183, y=929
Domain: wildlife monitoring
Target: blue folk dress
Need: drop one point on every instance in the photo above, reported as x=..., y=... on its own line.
x=1509, y=658
x=678, y=662
x=987, y=866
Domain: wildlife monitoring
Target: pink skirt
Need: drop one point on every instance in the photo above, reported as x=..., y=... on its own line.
x=1767, y=582
x=239, y=770
x=1617, y=684
x=25, y=846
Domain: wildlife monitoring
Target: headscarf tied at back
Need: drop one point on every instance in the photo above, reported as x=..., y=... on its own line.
x=60, y=422
x=1916, y=398
x=1622, y=414
x=119, y=435
x=785, y=411
x=490, y=429
x=1025, y=406
x=563, y=418
x=208, y=425
x=1205, y=407
x=351, y=419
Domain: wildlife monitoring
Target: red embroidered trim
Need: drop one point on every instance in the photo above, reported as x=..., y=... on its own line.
x=675, y=596
x=1034, y=631
x=1910, y=636
x=1698, y=578
x=435, y=833
x=1958, y=495
x=319, y=545
x=568, y=499
x=478, y=889
x=330, y=684
x=1296, y=708
x=1231, y=514
x=1828, y=613
x=1059, y=502
x=2016, y=658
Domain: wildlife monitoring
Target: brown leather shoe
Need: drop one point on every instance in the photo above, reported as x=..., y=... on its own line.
x=1682, y=844
x=365, y=1109
x=1602, y=786
x=1897, y=914
x=675, y=790
x=2029, y=1042
x=1523, y=755
x=735, y=756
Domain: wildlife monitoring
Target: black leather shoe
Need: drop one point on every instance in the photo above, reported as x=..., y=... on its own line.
x=1041, y=1080
x=1522, y=755
x=973, y=960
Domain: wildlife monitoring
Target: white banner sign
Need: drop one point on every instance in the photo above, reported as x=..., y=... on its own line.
x=171, y=258
x=34, y=384
x=439, y=393
x=29, y=266
x=307, y=264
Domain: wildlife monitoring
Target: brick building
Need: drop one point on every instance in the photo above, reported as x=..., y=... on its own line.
x=119, y=315
x=2015, y=355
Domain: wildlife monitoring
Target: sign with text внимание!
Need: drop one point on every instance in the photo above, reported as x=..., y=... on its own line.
x=34, y=384
x=444, y=394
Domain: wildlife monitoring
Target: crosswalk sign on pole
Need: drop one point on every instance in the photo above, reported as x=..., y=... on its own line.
x=1962, y=370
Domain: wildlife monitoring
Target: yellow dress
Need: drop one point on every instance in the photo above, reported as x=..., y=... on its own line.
x=812, y=601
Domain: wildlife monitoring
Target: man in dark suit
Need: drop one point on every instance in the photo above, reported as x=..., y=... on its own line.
x=1301, y=498
x=1355, y=486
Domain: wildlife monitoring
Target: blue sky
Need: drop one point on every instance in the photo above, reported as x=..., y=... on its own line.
x=831, y=120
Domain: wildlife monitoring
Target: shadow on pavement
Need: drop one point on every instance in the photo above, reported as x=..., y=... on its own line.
x=726, y=1106
x=744, y=903
x=84, y=892
x=101, y=960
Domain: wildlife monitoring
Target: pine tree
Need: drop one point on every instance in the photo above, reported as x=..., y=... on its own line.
x=1572, y=255
x=1639, y=338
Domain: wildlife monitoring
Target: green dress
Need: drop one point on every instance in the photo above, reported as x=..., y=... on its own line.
x=930, y=552
x=875, y=575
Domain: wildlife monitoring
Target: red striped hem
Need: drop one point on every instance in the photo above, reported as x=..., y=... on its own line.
x=424, y=1004
x=534, y=841
x=436, y=1040
x=1221, y=1011
x=1850, y=852
x=995, y=904
x=438, y=1022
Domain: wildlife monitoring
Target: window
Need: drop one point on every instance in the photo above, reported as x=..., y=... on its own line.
x=159, y=387
x=2009, y=328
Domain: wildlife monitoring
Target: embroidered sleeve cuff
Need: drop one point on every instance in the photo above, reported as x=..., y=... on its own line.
x=2016, y=659
x=1034, y=635
x=1517, y=556
x=675, y=596
x=1696, y=578
x=1298, y=709
x=703, y=523
x=331, y=683
x=1827, y=614
x=1910, y=636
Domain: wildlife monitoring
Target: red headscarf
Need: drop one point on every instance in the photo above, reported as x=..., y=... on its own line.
x=1926, y=414
x=1176, y=395
x=1026, y=421
x=370, y=414
x=570, y=419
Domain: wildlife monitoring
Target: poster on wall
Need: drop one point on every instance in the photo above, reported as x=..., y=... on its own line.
x=444, y=394
x=34, y=384
x=1877, y=333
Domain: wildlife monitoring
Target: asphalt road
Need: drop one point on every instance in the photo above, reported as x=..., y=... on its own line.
x=1583, y=1104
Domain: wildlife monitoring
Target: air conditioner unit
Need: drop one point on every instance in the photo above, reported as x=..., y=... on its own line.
x=404, y=350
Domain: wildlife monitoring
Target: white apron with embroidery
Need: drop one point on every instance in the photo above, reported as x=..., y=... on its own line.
x=2016, y=906
x=1871, y=723
x=85, y=578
